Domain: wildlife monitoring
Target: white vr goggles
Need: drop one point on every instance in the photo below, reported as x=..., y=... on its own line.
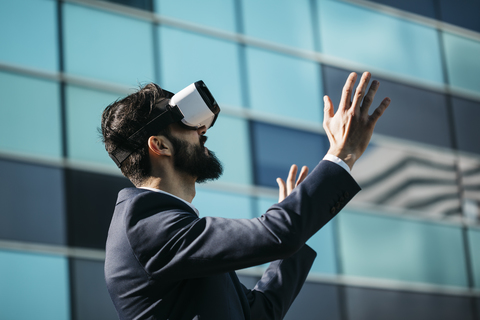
x=197, y=105
x=192, y=107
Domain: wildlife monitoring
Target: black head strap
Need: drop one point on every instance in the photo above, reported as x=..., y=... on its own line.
x=166, y=117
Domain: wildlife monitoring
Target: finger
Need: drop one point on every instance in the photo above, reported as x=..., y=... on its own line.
x=282, y=191
x=379, y=111
x=328, y=108
x=303, y=174
x=291, y=178
x=360, y=92
x=367, y=101
x=347, y=92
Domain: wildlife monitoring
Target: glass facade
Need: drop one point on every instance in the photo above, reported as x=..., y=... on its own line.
x=20, y=110
x=33, y=286
x=34, y=43
x=407, y=247
x=215, y=61
x=107, y=46
x=280, y=84
x=389, y=47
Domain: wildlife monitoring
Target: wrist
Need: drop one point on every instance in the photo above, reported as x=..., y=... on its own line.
x=348, y=158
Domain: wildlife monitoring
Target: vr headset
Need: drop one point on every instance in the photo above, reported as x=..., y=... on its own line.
x=192, y=107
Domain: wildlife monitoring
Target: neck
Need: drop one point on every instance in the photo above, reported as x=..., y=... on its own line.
x=177, y=184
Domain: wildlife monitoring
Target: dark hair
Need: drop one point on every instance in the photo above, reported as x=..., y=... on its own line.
x=123, y=118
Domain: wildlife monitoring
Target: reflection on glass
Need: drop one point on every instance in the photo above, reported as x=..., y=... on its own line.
x=470, y=179
x=424, y=182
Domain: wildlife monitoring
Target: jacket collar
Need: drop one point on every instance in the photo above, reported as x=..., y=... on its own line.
x=129, y=193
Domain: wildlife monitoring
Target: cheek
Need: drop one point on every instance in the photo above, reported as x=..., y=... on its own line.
x=191, y=137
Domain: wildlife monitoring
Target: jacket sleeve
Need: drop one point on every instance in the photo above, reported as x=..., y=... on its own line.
x=279, y=286
x=173, y=244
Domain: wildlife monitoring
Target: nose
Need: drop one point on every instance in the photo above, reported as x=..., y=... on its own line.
x=202, y=130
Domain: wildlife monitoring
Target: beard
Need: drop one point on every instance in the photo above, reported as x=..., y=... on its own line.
x=194, y=161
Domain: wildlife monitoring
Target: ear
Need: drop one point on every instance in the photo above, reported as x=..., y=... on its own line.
x=159, y=146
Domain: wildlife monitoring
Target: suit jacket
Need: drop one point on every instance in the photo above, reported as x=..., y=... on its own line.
x=164, y=262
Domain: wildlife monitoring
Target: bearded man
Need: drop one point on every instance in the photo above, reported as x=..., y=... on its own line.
x=165, y=261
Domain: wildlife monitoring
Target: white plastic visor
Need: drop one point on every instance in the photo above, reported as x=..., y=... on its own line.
x=197, y=105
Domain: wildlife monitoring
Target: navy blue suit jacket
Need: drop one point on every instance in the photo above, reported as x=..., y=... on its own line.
x=164, y=262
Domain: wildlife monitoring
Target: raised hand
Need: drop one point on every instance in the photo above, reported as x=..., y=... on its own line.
x=349, y=129
x=284, y=189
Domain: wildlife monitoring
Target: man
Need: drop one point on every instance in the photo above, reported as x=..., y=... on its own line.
x=163, y=261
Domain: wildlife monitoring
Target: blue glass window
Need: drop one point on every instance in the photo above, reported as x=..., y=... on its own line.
x=400, y=249
x=91, y=199
x=284, y=85
x=285, y=22
x=277, y=148
x=229, y=139
x=324, y=244
x=423, y=7
x=474, y=243
x=308, y=305
x=466, y=115
x=427, y=106
x=29, y=33
x=219, y=14
x=212, y=203
x=30, y=110
x=84, y=114
x=214, y=61
x=33, y=286
x=107, y=46
x=361, y=35
x=140, y=4
x=90, y=294
x=368, y=304
x=462, y=61
x=463, y=14
x=32, y=196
